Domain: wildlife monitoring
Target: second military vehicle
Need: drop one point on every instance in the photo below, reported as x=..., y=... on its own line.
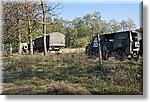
x=54, y=42
x=120, y=45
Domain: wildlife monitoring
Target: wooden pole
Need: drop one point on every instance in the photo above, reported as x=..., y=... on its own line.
x=99, y=49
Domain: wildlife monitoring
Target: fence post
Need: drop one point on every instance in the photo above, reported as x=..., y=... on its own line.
x=99, y=49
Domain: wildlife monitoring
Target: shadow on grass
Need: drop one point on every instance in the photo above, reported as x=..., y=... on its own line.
x=72, y=74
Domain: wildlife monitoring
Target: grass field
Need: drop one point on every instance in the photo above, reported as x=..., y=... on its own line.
x=70, y=74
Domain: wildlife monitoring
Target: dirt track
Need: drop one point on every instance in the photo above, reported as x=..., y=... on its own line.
x=72, y=50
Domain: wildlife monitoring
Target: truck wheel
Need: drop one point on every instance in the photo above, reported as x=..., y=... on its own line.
x=93, y=54
x=136, y=58
x=107, y=55
x=104, y=55
x=120, y=55
x=89, y=53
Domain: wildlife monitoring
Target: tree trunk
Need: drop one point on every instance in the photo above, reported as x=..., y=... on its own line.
x=10, y=47
x=44, y=26
x=100, y=52
x=19, y=42
x=44, y=32
x=31, y=45
x=30, y=38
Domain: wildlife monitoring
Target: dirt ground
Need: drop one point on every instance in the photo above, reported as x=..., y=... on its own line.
x=70, y=50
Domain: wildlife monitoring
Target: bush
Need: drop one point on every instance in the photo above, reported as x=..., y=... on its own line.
x=81, y=42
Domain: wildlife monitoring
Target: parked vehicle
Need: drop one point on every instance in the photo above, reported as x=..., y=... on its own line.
x=24, y=47
x=120, y=45
x=8, y=49
x=54, y=42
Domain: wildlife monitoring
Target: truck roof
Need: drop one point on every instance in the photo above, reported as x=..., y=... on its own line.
x=50, y=34
x=134, y=31
x=114, y=33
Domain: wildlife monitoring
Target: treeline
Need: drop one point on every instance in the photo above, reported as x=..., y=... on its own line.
x=24, y=21
x=80, y=30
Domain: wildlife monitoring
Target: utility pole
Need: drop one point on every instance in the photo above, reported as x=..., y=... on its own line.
x=99, y=49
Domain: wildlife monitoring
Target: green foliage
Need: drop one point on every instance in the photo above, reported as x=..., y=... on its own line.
x=81, y=42
x=87, y=26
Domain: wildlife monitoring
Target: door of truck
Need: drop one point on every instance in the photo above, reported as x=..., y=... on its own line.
x=135, y=44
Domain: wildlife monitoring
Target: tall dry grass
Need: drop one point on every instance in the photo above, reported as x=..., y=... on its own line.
x=70, y=74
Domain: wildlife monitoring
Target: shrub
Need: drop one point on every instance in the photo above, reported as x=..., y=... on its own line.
x=81, y=42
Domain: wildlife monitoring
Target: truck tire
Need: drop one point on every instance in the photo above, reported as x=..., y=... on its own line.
x=120, y=55
x=135, y=58
x=107, y=55
x=104, y=55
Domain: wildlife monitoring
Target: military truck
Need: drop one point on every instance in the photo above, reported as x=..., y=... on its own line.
x=120, y=45
x=54, y=42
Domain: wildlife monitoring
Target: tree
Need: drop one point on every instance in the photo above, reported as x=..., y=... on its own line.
x=44, y=25
x=114, y=27
x=30, y=9
x=130, y=24
x=106, y=27
x=13, y=13
x=45, y=11
x=8, y=32
x=127, y=25
x=123, y=25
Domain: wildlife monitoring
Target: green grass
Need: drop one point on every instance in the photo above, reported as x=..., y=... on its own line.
x=70, y=74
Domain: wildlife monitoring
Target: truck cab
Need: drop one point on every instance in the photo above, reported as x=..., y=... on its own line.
x=119, y=45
